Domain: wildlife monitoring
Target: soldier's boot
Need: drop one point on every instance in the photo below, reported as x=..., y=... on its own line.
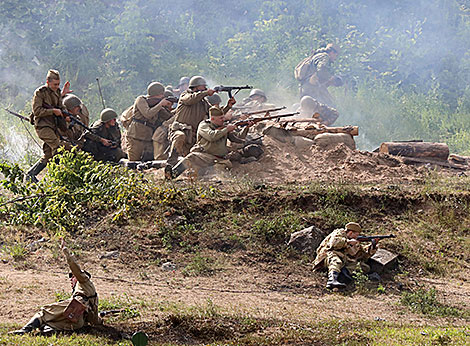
x=173, y=157
x=34, y=171
x=333, y=281
x=173, y=172
x=33, y=324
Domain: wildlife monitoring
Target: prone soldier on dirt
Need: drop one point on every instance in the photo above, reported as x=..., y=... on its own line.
x=104, y=139
x=70, y=314
x=309, y=107
x=47, y=118
x=149, y=112
x=342, y=253
x=256, y=101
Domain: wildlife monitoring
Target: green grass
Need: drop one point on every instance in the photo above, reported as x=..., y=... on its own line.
x=426, y=302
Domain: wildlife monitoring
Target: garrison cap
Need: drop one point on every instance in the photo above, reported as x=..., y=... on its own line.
x=353, y=226
x=215, y=111
x=214, y=99
x=155, y=88
x=53, y=74
x=108, y=114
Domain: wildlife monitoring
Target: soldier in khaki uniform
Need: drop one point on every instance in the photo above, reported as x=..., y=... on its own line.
x=256, y=101
x=183, y=85
x=150, y=112
x=211, y=147
x=315, y=77
x=104, y=142
x=75, y=131
x=47, y=117
x=160, y=136
x=52, y=317
x=191, y=110
x=309, y=106
x=341, y=250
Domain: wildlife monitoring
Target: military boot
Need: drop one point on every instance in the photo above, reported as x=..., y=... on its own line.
x=173, y=172
x=333, y=281
x=173, y=157
x=29, y=327
x=34, y=171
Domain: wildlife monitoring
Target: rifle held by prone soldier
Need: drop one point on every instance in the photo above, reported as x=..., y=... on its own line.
x=229, y=89
x=257, y=120
x=264, y=111
x=371, y=237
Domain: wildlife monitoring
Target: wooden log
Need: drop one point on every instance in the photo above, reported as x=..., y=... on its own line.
x=436, y=151
x=311, y=132
x=428, y=161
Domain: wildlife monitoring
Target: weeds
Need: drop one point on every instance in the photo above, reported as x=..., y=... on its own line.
x=200, y=265
x=426, y=302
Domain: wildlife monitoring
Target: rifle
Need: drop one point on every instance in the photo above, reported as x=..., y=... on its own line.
x=154, y=102
x=17, y=115
x=266, y=111
x=229, y=89
x=371, y=237
x=75, y=120
x=101, y=94
x=110, y=312
x=257, y=120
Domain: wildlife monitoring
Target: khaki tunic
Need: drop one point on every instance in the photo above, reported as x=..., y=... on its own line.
x=316, y=85
x=139, y=135
x=75, y=132
x=46, y=123
x=84, y=291
x=336, y=253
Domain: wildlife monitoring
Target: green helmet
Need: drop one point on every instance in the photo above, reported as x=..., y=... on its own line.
x=214, y=99
x=155, y=88
x=71, y=101
x=183, y=80
x=257, y=92
x=108, y=114
x=308, y=103
x=197, y=81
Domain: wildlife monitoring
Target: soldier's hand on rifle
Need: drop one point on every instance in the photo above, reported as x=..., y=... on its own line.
x=106, y=142
x=66, y=89
x=231, y=127
x=250, y=123
x=231, y=101
x=165, y=103
x=211, y=92
x=57, y=112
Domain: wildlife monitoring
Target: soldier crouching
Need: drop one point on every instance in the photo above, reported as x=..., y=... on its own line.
x=70, y=314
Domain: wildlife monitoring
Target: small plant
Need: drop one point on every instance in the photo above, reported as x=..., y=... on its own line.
x=426, y=302
x=380, y=289
x=360, y=279
x=61, y=295
x=17, y=252
x=199, y=265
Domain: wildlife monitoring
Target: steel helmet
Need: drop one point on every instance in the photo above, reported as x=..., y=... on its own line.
x=108, y=114
x=197, y=81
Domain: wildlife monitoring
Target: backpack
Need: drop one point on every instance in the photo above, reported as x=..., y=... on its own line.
x=303, y=70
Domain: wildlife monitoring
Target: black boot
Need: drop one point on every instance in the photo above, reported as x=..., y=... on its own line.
x=173, y=172
x=333, y=281
x=29, y=327
x=173, y=157
x=34, y=171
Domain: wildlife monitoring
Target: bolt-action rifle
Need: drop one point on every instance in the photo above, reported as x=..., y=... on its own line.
x=264, y=111
x=229, y=89
x=257, y=120
x=371, y=237
x=17, y=115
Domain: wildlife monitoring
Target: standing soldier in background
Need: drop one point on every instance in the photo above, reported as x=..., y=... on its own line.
x=191, y=110
x=150, y=112
x=315, y=77
x=72, y=313
x=75, y=131
x=104, y=142
x=183, y=85
x=47, y=118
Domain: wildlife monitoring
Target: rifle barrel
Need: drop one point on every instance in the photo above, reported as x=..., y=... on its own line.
x=16, y=114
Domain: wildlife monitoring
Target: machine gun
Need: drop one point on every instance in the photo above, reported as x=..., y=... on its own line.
x=229, y=89
x=257, y=120
x=75, y=120
x=372, y=237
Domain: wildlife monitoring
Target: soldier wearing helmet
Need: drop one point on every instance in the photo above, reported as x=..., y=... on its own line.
x=309, y=107
x=75, y=107
x=342, y=254
x=104, y=140
x=191, y=110
x=256, y=101
x=149, y=112
x=315, y=77
x=183, y=85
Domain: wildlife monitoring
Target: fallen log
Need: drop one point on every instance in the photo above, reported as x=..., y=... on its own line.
x=435, y=151
x=424, y=161
x=313, y=130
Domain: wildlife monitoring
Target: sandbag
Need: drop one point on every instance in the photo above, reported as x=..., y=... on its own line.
x=328, y=141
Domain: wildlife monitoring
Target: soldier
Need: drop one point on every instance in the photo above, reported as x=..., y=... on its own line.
x=75, y=106
x=314, y=75
x=256, y=101
x=104, y=142
x=342, y=253
x=211, y=147
x=150, y=112
x=80, y=309
x=309, y=106
x=160, y=136
x=47, y=117
x=191, y=110
x=183, y=85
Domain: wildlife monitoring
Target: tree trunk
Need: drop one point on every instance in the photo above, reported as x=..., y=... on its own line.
x=313, y=131
x=436, y=151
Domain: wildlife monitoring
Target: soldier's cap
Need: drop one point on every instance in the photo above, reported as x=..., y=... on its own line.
x=353, y=226
x=215, y=111
x=53, y=74
x=83, y=271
